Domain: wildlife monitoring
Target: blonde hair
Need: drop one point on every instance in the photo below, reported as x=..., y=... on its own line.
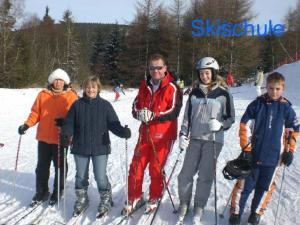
x=92, y=80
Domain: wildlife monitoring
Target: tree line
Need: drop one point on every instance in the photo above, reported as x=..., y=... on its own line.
x=116, y=52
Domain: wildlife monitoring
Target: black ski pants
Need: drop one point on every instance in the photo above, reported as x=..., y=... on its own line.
x=46, y=154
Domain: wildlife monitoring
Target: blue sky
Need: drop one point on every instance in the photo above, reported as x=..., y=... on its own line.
x=123, y=11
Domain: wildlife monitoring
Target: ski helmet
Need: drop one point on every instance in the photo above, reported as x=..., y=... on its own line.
x=237, y=169
x=208, y=63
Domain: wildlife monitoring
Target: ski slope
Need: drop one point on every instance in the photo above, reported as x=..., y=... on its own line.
x=15, y=107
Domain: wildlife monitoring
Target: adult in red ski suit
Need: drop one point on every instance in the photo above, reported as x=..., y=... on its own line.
x=157, y=106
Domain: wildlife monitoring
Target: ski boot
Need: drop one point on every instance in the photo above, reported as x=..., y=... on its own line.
x=254, y=218
x=198, y=212
x=151, y=206
x=105, y=203
x=131, y=207
x=38, y=198
x=53, y=198
x=182, y=211
x=81, y=203
x=234, y=219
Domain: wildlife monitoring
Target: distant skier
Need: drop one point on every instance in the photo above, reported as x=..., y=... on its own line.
x=273, y=118
x=259, y=80
x=229, y=80
x=209, y=110
x=118, y=89
x=89, y=121
x=49, y=110
x=157, y=106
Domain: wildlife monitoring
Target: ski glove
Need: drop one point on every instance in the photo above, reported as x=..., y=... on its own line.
x=22, y=129
x=255, y=84
x=59, y=122
x=215, y=125
x=145, y=115
x=183, y=142
x=127, y=132
x=287, y=158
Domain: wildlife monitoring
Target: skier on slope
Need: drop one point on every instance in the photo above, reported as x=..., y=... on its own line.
x=118, y=89
x=157, y=106
x=209, y=109
x=88, y=122
x=49, y=110
x=229, y=79
x=259, y=80
x=273, y=118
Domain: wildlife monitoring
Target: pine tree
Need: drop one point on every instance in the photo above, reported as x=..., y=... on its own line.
x=70, y=61
x=9, y=51
x=97, y=59
x=112, y=53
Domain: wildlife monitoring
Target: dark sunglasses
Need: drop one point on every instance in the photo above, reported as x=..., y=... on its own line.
x=152, y=68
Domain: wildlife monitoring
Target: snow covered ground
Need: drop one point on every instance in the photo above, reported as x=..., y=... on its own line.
x=15, y=107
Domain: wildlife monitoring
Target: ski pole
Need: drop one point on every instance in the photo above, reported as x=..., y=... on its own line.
x=161, y=169
x=126, y=170
x=58, y=167
x=215, y=177
x=159, y=203
x=283, y=175
x=16, y=166
x=65, y=177
x=227, y=203
x=280, y=193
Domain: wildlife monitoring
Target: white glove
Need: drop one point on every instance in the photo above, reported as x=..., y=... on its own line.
x=214, y=125
x=145, y=115
x=183, y=142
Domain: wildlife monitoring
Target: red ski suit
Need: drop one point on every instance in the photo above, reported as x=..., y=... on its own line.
x=155, y=138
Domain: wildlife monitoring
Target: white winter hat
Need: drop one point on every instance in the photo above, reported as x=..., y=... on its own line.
x=59, y=74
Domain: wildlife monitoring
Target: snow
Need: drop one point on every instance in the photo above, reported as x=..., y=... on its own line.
x=15, y=107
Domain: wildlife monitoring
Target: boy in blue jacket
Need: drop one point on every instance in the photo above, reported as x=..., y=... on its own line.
x=274, y=132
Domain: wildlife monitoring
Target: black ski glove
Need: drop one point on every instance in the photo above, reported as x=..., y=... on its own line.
x=255, y=84
x=22, y=129
x=287, y=158
x=64, y=141
x=246, y=155
x=127, y=132
x=59, y=122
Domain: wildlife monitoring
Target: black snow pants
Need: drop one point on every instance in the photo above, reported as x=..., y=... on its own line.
x=47, y=153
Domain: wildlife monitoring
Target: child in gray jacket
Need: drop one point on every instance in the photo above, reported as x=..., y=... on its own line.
x=208, y=112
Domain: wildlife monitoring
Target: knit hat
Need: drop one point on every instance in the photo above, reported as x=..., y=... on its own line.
x=59, y=74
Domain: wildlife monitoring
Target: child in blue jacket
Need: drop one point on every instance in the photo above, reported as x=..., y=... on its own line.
x=273, y=143
x=89, y=121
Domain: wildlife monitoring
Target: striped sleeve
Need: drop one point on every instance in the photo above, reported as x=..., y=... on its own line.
x=175, y=103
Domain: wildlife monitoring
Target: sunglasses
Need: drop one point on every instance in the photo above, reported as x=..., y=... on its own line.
x=152, y=68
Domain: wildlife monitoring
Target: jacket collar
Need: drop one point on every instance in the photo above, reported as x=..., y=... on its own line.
x=164, y=82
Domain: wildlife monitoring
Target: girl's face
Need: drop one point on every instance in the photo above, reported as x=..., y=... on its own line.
x=275, y=90
x=91, y=90
x=58, y=84
x=205, y=76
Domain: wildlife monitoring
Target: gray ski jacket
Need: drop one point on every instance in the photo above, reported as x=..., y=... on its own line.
x=201, y=107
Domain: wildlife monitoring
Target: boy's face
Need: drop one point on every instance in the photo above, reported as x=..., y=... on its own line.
x=275, y=90
x=91, y=90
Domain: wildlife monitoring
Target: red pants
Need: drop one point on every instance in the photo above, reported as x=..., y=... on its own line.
x=144, y=154
x=117, y=96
